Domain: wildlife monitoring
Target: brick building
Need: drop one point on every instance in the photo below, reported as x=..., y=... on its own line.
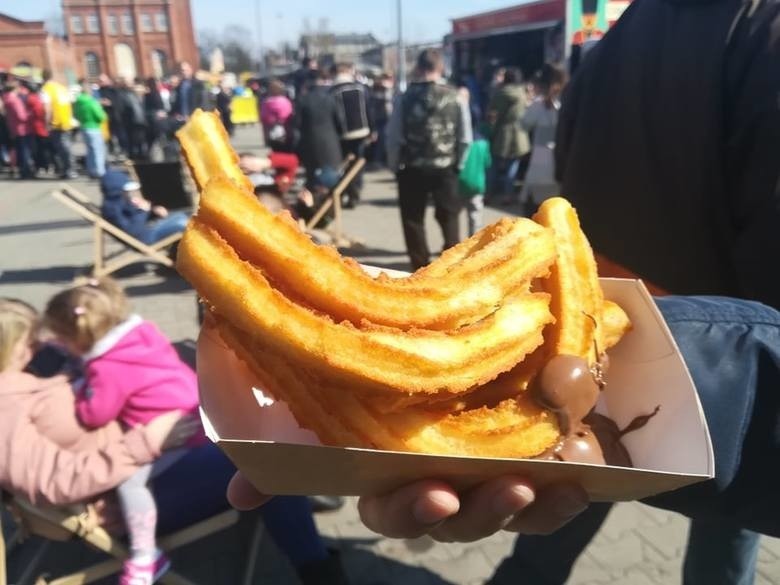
x=26, y=48
x=131, y=38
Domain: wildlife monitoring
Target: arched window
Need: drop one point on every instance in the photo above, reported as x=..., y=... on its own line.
x=159, y=63
x=24, y=64
x=92, y=64
x=125, y=61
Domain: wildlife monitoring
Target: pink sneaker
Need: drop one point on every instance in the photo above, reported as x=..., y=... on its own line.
x=138, y=574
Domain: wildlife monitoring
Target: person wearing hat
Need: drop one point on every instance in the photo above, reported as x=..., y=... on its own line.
x=124, y=207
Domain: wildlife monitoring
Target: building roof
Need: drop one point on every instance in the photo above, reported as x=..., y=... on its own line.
x=356, y=39
x=10, y=24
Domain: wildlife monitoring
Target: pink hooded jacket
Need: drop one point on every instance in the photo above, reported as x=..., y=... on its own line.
x=133, y=375
x=48, y=457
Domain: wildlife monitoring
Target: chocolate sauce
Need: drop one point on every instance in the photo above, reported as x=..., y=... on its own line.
x=568, y=387
x=607, y=434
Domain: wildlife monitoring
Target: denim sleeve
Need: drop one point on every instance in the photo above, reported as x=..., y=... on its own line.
x=732, y=349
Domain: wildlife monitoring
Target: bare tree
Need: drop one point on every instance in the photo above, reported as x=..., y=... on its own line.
x=235, y=41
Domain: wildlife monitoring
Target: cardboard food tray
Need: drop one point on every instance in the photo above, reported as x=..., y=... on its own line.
x=646, y=370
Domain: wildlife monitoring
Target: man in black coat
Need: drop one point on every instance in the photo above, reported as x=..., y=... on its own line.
x=317, y=129
x=669, y=146
x=189, y=95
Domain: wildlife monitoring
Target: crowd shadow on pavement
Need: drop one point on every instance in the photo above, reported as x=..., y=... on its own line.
x=38, y=226
x=46, y=274
x=388, y=202
x=169, y=281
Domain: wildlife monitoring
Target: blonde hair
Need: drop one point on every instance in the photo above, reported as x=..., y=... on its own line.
x=86, y=312
x=18, y=322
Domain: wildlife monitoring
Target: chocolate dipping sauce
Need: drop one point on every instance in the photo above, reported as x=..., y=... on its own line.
x=568, y=387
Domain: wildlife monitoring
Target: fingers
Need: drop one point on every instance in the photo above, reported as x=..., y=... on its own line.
x=242, y=495
x=554, y=507
x=410, y=511
x=485, y=510
x=507, y=503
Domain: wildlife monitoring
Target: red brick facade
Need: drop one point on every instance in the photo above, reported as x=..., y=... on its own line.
x=27, y=43
x=133, y=38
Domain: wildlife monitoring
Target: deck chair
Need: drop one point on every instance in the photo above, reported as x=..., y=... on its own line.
x=134, y=250
x=348, y=172
x=165, y=183
x=54, y=524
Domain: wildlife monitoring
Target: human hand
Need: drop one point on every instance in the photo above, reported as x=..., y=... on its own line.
x=141, y=203
x=506, y=503
x=159, y=211
x=253, y=164
x=433, y=508
x=172, y=429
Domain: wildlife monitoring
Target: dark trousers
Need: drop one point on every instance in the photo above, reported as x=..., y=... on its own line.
x=63, y=159
x=24, y=154
x=356, y=147
x=414, y=188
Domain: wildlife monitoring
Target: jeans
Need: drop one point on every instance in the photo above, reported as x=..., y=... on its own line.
x=63, y=159
x=24, y=154
x=732, y=350
x=504, y=173
x=194, y=488
x=159, y=229
x=96, y=152
x=474, y=208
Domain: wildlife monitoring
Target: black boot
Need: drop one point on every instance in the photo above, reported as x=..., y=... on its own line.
x=328, y=571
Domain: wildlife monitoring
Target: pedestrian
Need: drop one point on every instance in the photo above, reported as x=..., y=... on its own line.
x=541, y=120
x=352, y=100
x=276, y=112
x=17, y=120
x=132, y=117
x=108, y=95
x=38, y=115
x=60, y=125
x=509, y=141
x=224, y=109
x=90, y=114
x=472, y=179
x=381, y=104
x=156, y=117
x=188, y=95
x=427, y=138
x=317, y=126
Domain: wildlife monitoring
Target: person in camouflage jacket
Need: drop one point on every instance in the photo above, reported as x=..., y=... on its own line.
x=427, y=137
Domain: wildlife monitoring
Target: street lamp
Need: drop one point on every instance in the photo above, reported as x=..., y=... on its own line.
x=401, y=51
x=259, y=38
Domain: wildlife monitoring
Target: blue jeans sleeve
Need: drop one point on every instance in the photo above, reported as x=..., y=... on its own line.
x=732, y=349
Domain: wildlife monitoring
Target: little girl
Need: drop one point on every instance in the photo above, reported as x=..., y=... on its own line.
x=132, y=374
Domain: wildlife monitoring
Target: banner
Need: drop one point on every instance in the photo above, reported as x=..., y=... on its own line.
x=586, y=20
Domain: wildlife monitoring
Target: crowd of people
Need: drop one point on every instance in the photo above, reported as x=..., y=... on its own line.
x=121, y=118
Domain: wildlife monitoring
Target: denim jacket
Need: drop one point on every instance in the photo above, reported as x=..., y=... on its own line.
x=732, y=349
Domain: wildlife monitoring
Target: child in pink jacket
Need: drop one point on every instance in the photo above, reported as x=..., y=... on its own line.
x=132, y=374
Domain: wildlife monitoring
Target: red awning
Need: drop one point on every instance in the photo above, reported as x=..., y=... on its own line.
x=516, y=18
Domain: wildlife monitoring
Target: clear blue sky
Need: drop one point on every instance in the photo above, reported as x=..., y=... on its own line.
x=280, y=21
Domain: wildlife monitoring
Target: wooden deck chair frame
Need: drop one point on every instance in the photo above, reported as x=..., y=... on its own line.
x=134, y=249
x=349, y=171
x=81, y=526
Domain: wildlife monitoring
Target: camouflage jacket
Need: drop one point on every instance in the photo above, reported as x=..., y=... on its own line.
x=431, y=129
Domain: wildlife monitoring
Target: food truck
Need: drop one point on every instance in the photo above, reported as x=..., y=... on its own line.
x=528, y=35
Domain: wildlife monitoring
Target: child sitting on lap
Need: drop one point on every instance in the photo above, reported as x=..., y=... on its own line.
x=132, y=374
